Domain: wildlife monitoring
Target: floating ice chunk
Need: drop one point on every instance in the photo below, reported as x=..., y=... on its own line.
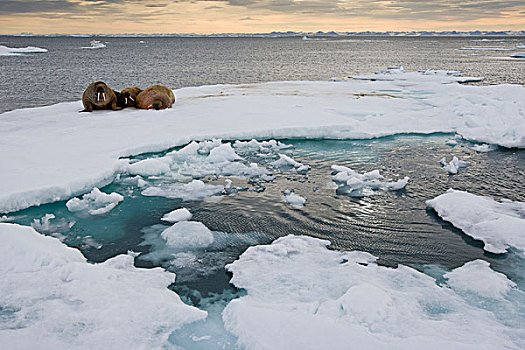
x=285, y=162
x=453, y=166
x=483, y=148
x=223, y=153
x=149, y=167
x=452, y=142
x=51, y=298
x=13, y=51
x=44, y=224
x=293, y=199
x=518, y=55
x=354, y=184
x=177, y=215
x=478, y=278
x=302, y=295
x=188, y=235
x=95, y=203
x=195, y=190
x=95, y=44
x=499, y=225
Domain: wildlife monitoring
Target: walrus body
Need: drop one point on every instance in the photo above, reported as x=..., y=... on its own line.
x=155, y=97
x=99, y=96
x=128, y=97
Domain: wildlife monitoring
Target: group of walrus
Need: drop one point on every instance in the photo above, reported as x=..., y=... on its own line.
x=99, y=96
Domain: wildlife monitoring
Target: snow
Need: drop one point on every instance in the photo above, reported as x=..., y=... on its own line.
x=188, y=235
x=453, y=166
x=500, y=225
x=50, y=296
x=95, y=203
x=301, y=295
x=54, y=153
x=177, y=215
x=293, y=199
x=352, y=183
x=20, y=51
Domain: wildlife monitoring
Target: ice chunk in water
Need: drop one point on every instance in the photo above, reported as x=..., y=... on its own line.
x=293, y=199
x=177, y=215
x=453, y=166
x=95, y=203
x=187, y=235
x=354, y=184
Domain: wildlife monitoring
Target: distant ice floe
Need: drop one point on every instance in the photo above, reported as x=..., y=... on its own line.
x=500, y=225
x=20, y=51
x=95, y=203
x=95, y=44
x=518, y=55
x=352, y=183
x=177, y=215
x=387, y=103
x=294, y=199
x=51, y=296
x=453, y=166
x=487, y=48
x=332, y=299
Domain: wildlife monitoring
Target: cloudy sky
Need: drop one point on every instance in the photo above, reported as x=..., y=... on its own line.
x=256, y=16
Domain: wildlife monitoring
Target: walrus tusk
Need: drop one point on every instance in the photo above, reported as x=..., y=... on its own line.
x=125, y=100
x=98, y=96
x=104, y=96
x=132, y=99
x=150, y=106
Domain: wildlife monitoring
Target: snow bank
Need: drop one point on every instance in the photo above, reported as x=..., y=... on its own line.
x=352, y=183
x=177, y=215
x=87, y=148
x=453, y=166
x=95, y=203
x=51, y=298
x=300, y=295
x=499, y=225
x=20, y=51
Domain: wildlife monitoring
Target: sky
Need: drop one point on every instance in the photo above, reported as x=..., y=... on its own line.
x=256, y=16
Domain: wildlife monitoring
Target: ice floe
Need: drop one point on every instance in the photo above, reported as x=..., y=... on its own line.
x=177, y=215
x=453, y=166
x=20, y=51
x=88, y=148
x=482, y=48
x=500, y=225
x=293, y=199
x=518, y=55
x=95, y=202
x=301, y=295
x=352, y=183
x=187, y=234
x=51, y=298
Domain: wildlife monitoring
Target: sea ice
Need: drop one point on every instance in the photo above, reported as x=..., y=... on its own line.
x=453, y=166
x=387, y=103
x=51, y=298
x=21, y=51
x=482, y=48
x=354, y=184
x=95, y=203
x=301, y=295
x=149, y=167
x=293, y=199
x=44, y=224
x=499, y=225
x=483, y=148
x=518, y=55
x=188, y=235
x=194, y=191
x=284, y=163
x=177, y=215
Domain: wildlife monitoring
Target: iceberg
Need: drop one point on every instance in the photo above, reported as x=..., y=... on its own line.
x=301, y=295
x=88, y=150
x=20, y=51
x=500, y=225
x=52, y=297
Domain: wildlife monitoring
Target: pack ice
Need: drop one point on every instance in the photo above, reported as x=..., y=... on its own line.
x=52, y=298
x=54, y=153
x=300, y=295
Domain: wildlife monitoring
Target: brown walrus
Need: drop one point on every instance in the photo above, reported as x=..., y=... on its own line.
x=155, y=97
x=99, y=96
x=128, y=97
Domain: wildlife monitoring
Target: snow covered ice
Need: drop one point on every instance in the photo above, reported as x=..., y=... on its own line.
x=88, y=148
x=300, y=295
x=51, y=298
x=95, y=203
x=500, y=225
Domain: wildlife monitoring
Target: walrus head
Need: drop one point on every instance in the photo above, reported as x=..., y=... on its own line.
x=101, y=92
x=128, y=96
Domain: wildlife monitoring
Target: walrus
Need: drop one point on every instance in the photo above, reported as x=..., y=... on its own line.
x=155, y=97
x=128, y=97
x=99, y=96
